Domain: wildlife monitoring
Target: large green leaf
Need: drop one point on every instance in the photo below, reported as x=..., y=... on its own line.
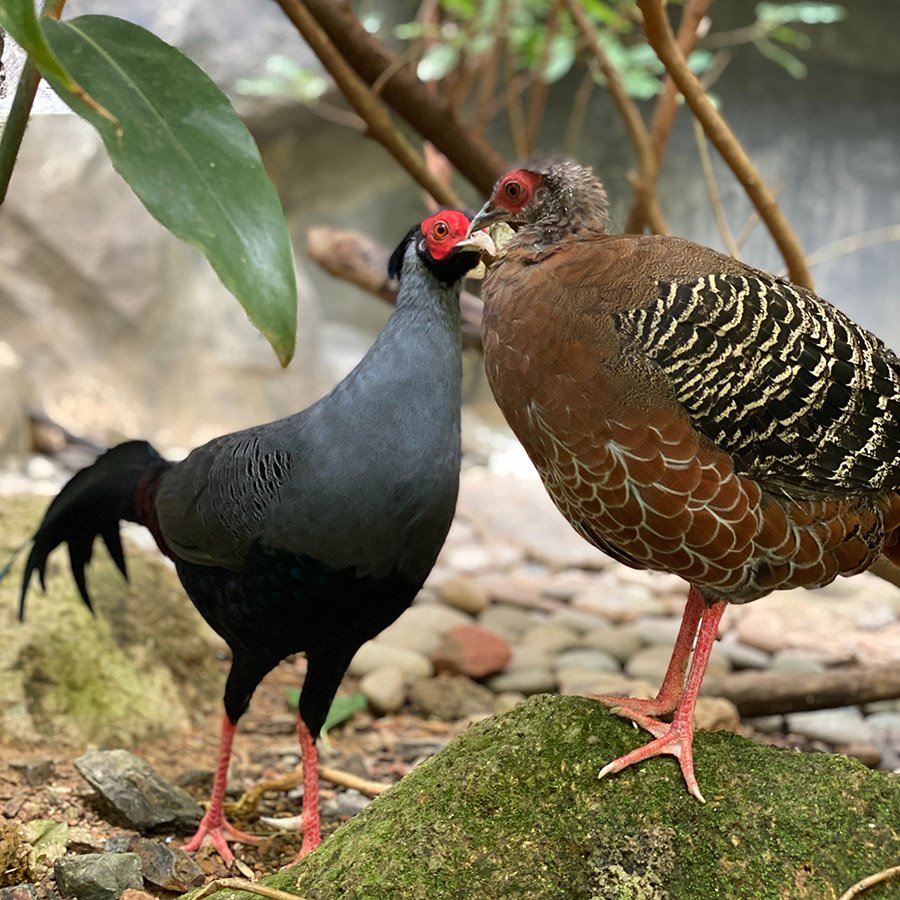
x=190, y=159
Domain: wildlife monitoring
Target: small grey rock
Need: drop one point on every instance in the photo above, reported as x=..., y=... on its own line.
x=506, y=701
x=833, y=726
x=450, y=697
x=508, y=621
x=621, y=641
x=465, y=594
x=345, y=804
x=766, y=724
x=375, y=655
x=421, y=627
x=885, y=722
x=743, y=656
x=167, y=867
x=550, y=638
x=588, y=659
x=796, y=661
x=137, y=792
x=385, y=689
x=532, y=680
x=658, y=629
x=19, y=892
x=98, y=876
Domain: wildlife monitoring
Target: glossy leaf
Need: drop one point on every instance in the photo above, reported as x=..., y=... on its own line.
x=189, y=158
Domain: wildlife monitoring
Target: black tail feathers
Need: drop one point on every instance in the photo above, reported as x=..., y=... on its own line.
x=90, y=505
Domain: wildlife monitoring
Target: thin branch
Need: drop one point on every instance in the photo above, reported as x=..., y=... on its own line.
x=380, y=126
x=712, y=188
x=666, y=110
x=538, y=100
x=629, y=112
x=870, y=881
x=578, y=112
x=515, y=110
x=659, y=36
x=854, y=242
x=16, y=123
x=430, y=115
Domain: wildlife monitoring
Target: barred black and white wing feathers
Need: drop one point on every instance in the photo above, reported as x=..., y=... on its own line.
x=796, y=392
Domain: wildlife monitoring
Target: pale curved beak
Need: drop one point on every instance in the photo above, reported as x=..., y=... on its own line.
x=480, y=241
x=487, y=215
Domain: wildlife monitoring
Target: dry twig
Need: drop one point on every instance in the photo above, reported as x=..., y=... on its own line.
x=238, y=884
x=870, y=881
x=659, y=36
x=712, y=188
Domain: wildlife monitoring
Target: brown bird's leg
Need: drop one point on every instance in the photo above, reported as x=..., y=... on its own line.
x=672, y=688
x=677, y=739
x=214, y=827
x=309, y=817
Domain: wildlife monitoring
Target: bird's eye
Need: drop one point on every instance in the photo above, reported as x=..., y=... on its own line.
x=440, y=230
x=513, y=190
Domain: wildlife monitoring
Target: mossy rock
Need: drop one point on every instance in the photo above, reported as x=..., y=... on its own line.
x=134, y=671
x=513, y=808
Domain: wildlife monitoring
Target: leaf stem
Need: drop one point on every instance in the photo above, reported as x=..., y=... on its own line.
x=14, y=130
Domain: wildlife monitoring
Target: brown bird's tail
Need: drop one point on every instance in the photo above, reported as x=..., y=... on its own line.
x=91, y=504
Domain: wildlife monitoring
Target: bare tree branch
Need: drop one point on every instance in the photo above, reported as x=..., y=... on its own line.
x=430, y=115
x=378, y=120
x=538, y=100
x=659, y=36
x=665, y=111
x=630, y=114
x=712, y=188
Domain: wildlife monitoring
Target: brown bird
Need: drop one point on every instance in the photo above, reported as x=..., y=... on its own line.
x=687, y=413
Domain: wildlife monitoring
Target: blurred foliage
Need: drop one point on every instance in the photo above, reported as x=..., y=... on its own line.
x=536, y=40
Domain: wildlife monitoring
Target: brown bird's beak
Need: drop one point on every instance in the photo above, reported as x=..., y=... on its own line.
x=487, y=215
x=481, y=242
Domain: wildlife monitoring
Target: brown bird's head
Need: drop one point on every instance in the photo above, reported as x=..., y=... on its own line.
x=555, y=197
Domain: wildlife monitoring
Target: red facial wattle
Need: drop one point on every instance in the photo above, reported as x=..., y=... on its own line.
x=516, y=190
x=443, y=231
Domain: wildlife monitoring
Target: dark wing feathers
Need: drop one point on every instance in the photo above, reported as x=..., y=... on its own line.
x=798, y=394
x=211, y=506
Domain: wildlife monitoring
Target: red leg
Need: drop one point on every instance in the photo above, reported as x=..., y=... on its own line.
x=309, y=816
x=677, y=739
x=672, y=688
x=214, y=827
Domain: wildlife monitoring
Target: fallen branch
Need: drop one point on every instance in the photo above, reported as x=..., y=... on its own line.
x=361, y=261
x=660, y=37
x=238, y=884
x=773, y=693
x=247, y=803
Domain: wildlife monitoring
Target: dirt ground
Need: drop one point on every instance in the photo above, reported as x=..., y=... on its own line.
x=265, y=747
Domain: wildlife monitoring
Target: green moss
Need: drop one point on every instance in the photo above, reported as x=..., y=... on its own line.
x=130, y=673
x=513, y=808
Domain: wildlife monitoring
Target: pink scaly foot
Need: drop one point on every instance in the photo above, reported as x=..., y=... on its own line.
x=214, y=827
x=672, y=688
x=309, y=816
x=677, y=739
